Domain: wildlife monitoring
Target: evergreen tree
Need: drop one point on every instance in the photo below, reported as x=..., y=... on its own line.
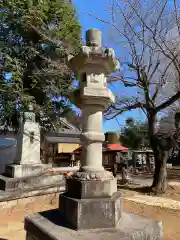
x=35, y=38
x=135, y=135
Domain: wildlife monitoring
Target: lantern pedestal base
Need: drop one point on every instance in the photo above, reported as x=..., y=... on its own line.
x=52, y=225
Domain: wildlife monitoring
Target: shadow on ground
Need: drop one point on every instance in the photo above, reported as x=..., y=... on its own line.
x=172, y=174
x=140, y=175
x=172, y=192
x=142, y=190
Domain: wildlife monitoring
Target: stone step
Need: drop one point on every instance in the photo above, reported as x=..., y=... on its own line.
x=17, y=170
x=8, y=196
x=30, y=182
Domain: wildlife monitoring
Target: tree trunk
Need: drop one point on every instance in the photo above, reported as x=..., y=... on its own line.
x=162, y=148
x=160, y=177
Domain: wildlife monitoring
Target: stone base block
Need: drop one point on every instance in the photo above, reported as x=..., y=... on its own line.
x=91, y=189
x=169, y=165
x=12, y=199
x=92, y=213
x=17, y=171
x=27, y=183
x=51, y=225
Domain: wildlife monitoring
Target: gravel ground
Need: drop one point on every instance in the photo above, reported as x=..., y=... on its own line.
x=12, y=221
x=169, y=218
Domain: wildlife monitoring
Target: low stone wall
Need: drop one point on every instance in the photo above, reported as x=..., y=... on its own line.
x=46, y=196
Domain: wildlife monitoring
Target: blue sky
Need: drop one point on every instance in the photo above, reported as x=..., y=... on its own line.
x=99, y=8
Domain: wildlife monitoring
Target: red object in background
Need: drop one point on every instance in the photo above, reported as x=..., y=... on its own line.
x=111, y=147
x=48, y=171
x=114, y=147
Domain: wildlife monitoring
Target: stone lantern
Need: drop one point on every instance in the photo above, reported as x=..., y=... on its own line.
x=91, y=67
x=91, y=201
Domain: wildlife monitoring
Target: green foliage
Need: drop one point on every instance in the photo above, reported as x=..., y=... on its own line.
x=74, y=119
x=35, y=38
x=135, y=135
x=50, y=117
x=130, y=122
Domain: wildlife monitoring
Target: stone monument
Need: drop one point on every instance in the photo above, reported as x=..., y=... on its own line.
x=27, y=159
x=28, y=173
x=31, y=140
x=91, y=201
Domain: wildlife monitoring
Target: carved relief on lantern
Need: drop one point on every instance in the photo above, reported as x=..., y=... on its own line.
x=96, y=80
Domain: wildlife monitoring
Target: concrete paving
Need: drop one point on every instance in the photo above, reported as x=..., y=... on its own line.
x=137, y=180
x=152, y=200
x=155, y=201
x=142, y=182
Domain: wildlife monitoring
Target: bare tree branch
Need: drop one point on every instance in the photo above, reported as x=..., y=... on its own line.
x=168, y=102
x=151, y=57
x=177, y=17
x=123, y=109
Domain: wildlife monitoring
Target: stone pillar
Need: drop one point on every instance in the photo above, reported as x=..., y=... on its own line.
x=92, y=138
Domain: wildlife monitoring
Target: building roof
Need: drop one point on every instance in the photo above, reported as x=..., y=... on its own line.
x=68, y=125
x=62, y=140
x=68, y=134
x=114, y=147
x=108, y=147
x=63, y=137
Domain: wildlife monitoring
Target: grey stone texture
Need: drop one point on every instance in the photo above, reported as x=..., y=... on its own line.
x=51, y=225
x=30, y=182
x=91, y=189
x=10, y=199
x=97, y=175
x=86, y=213
x=17, y=171
x=93, y=38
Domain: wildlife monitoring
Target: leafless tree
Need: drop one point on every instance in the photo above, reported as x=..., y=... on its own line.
x=148, y=34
